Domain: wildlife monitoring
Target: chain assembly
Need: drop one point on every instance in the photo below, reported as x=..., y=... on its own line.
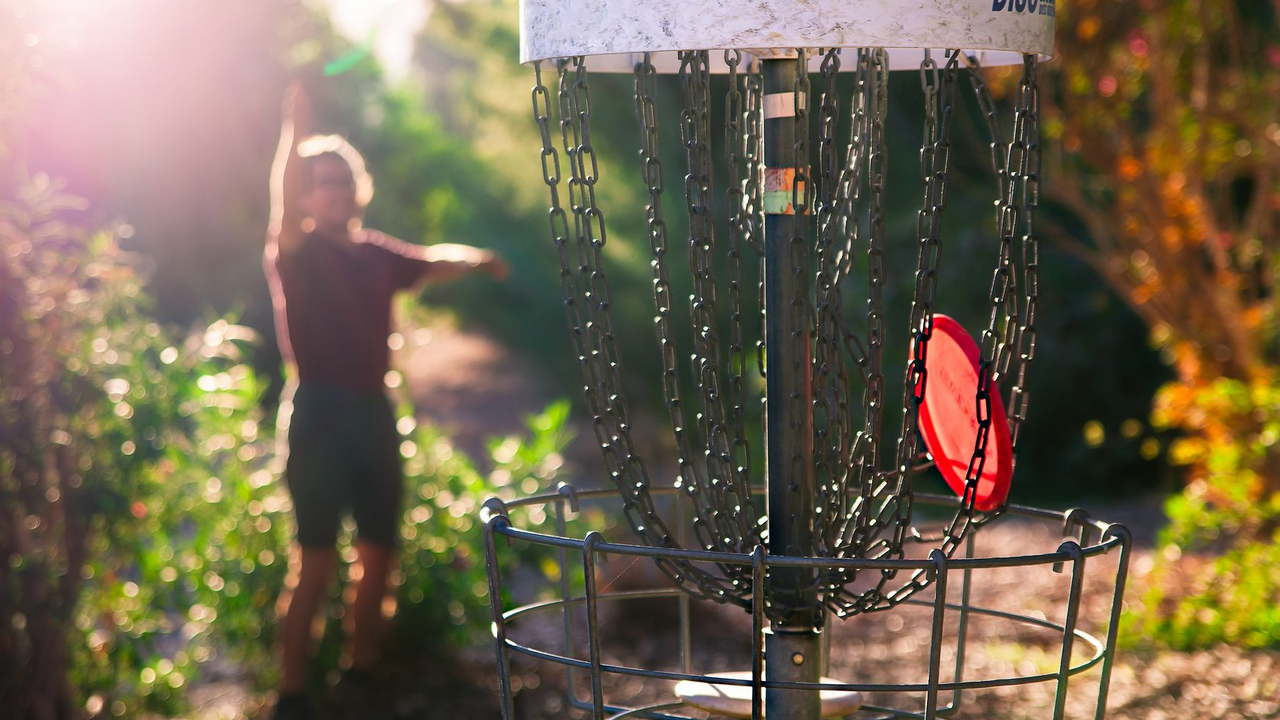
x=862, y=509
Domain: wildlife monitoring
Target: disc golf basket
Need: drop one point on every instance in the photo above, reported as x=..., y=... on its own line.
x=843, y=531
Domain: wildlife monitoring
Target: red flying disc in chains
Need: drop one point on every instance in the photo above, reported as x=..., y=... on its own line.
x=949, y=416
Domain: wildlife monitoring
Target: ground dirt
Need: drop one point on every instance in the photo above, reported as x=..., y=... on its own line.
x=892, y=646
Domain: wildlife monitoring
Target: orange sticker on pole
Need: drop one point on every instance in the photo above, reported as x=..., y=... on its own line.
x=780, y=188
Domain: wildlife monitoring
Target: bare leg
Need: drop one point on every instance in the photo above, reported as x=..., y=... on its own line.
x=366, y=610
x=314, y=576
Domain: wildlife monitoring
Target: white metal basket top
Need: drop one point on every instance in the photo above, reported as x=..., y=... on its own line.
x=996, y=31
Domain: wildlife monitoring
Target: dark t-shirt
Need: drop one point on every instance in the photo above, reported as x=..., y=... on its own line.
x=333, y=305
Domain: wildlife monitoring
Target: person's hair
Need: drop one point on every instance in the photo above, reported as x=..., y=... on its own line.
x=336, y=146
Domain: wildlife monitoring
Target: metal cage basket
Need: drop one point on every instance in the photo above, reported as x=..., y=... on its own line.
x=933, y=691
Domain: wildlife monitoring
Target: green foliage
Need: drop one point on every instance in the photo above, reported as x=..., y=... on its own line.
x=187, y=536
x=443, y=597
x=1231, y=598
x=1228, y=512
x=1178, y=208
x=146, y=529
x=454, y=152
x=129, y=461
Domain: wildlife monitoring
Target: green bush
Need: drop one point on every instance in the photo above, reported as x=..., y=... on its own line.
x=146, y=526
x=443, y=596
x=145, y=531
x=1218, y=575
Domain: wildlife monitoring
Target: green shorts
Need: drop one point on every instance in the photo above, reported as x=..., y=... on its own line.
x=344, y=456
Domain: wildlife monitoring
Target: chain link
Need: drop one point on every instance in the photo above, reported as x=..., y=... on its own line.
x=830, y=376
x=847, y=525
x=588, y=309
x=1029, y=104
x=873, y=67
x=695, y=134
x=740, y=210
x=996, y=344
x=894, y=511
x=1011, y=328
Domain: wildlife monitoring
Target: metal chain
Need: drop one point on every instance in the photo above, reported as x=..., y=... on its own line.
x=740, y=212
x=753, y=199
x=991, y=116
x=1011, y=322
x=1019, y=399
x=830, y=377
x=842, y=453
x=587, y=307
x=651, y=167
x=934, y=155
x=997, y=347
x=874, y=75
x=967, y=518
x=1019, y=336
x=849, y=523
x=714, y=481
x=695, y=134
x=895, y=505
x=851, y=176
x=1017, y=164
x=611, y=423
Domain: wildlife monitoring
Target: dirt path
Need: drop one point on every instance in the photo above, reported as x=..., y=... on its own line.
x=469, y=384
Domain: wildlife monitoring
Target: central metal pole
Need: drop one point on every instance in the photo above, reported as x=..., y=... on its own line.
x=792, y=643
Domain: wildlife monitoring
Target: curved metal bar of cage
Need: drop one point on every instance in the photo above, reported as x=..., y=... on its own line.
x=1111, y=536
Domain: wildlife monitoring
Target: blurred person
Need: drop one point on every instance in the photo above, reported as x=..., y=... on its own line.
x=332, y=282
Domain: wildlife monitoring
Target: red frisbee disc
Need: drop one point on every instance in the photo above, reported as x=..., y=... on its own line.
x=949, y=418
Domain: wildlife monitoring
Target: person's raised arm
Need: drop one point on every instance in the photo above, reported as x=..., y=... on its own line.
x=287, y=179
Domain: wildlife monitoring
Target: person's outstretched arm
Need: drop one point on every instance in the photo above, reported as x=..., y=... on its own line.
x=412, y=264
x=287, y=179
x=449, y=261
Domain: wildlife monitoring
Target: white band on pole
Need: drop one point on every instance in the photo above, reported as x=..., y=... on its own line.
x=781, y=105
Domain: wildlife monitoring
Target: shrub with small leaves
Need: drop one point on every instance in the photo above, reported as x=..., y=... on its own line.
x=144, y=527
x=134, y=471
x=1224, y=528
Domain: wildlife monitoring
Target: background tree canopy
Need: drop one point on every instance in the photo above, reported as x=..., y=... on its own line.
x=179, y=140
